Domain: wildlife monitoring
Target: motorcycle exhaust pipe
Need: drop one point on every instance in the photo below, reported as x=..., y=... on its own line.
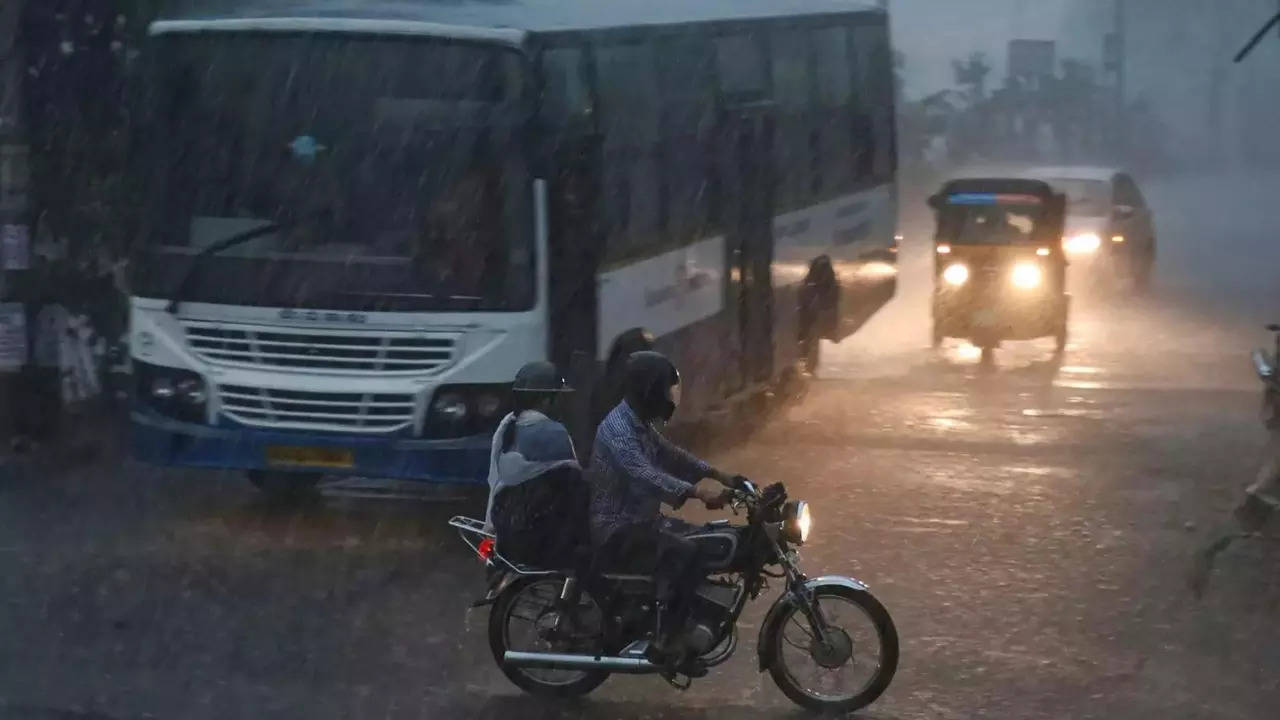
x=555, y=661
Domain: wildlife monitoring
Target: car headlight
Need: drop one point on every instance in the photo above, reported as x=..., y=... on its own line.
x=956, y=274
x=1027, y=276
x=796, y=522
x=1083, y=243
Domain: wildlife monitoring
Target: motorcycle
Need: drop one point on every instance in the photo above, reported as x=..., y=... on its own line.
x=1262, y=497
x=827, y=642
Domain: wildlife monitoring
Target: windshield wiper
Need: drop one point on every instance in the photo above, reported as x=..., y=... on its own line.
x=1253, y=42
x=238, y=239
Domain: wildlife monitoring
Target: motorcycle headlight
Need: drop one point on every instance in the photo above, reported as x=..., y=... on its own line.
x=796, y=522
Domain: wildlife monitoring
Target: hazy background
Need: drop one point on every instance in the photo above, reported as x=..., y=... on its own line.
x=1177, y=61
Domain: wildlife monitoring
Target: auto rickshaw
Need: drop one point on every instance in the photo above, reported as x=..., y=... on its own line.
x=1000, y=269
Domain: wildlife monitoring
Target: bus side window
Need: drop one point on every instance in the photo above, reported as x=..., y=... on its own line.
x=874, y=61
x=740, y=69
x=835, y=114
x=798, y=172
x=566, y=97
x=628, y=96
x=688, y=116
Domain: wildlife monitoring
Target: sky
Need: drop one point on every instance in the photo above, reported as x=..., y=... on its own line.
x=930, y=33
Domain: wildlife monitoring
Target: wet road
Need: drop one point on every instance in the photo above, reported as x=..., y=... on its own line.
x=1029, y=525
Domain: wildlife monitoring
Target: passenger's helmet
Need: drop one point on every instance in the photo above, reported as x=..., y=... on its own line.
x=652, y=385
x=540, y=378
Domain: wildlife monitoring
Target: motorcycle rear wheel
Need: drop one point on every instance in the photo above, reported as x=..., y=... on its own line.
x=828, y=597
x=516, y=603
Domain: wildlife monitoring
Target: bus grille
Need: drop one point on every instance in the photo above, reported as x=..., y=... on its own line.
x=306, y=410
x=302, y=350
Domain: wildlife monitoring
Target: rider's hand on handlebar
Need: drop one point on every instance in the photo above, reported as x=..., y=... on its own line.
x=712, y=493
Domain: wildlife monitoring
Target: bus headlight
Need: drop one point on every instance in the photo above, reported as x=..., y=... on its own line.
x=956, y=274
x=488, y=405
x=173, y=392
x=796, y=522
x=1083, y=244
x=1027, y=276
x=450, y=407
x=465, y=410
x=162, y=388
x=191, y=391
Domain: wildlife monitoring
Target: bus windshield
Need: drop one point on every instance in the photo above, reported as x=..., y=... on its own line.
x=391, y=165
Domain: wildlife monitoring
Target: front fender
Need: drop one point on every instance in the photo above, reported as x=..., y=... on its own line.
x=783, y=604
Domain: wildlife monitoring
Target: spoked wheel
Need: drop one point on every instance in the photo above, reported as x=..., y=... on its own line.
x=849, y=671
x=529, y=617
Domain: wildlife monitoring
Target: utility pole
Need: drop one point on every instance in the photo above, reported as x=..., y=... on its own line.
x=14, y=217
x=1121, y=128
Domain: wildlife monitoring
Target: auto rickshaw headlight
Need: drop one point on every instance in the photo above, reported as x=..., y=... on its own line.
x=1083, y=244
x=1027, y=276
x=956, y=274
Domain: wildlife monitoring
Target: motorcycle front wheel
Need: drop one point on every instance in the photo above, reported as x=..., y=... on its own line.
x=530, y=617
x=849, y=671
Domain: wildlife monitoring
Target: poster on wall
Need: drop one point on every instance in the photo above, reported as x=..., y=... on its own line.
x=15, y=247
x=13, y=337
x=15, y=177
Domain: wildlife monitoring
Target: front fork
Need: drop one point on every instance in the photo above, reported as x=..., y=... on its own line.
x=798, y=588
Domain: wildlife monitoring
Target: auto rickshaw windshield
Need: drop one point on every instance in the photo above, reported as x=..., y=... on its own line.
x=993, y=223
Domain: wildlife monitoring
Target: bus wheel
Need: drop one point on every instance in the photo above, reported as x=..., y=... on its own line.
x=284, y=486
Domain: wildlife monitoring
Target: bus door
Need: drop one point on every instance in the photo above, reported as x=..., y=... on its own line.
x=747, y=184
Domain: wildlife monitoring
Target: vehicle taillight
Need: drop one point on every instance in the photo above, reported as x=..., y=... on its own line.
x=485, y=549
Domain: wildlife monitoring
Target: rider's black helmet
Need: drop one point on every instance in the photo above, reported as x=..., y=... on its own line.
x=649, y=383
x=539, y=377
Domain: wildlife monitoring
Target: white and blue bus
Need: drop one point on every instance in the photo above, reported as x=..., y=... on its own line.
x=365, y=216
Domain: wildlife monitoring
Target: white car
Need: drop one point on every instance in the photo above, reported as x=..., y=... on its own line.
x=1108, y=220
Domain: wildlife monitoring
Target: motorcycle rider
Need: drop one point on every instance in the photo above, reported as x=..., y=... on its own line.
x=537, y=500
x=634, y=469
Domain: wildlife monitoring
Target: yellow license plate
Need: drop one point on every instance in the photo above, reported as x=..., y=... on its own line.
x=310, y=457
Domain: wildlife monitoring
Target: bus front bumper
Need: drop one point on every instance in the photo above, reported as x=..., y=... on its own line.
x=163, y=441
